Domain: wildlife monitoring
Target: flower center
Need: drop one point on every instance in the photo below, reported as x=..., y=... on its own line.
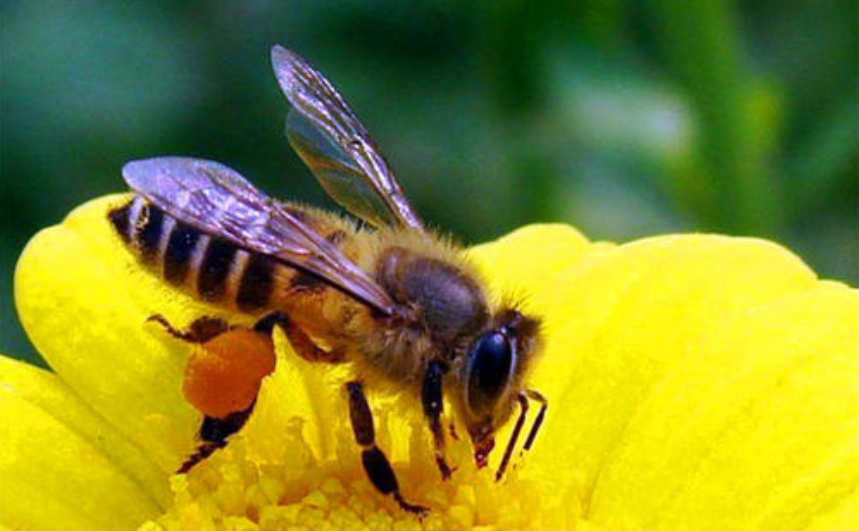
x=296, y=464
x=237, y=489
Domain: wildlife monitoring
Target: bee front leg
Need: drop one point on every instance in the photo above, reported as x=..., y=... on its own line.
x=433, y=403
x=376, y=464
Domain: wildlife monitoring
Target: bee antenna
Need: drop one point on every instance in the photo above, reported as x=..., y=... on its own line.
x=517, y=429
x=508, y=452
x=538, y=422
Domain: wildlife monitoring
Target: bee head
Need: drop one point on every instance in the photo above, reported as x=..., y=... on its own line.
x=491, y=377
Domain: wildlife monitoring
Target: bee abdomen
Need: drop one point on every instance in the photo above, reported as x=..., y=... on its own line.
x=210, y=268
x=181, y=245
x=257, y=283
x=213, y=276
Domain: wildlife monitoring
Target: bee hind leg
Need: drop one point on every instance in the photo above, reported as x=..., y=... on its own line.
x=433, y=405
x=376, y=464
x=214, y=433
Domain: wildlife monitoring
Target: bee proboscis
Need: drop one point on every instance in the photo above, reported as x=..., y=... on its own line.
x=393, y=298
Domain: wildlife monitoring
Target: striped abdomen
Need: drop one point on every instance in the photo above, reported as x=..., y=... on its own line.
x=207, y=266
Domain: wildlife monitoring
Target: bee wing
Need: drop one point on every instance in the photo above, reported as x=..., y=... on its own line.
x=344, y=181
x=217, y=200
x=336, y=147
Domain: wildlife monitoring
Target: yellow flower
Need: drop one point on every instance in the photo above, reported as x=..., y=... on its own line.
x=694, y=381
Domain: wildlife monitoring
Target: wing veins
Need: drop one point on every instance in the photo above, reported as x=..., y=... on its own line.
x=314, y=97
x=216, y=200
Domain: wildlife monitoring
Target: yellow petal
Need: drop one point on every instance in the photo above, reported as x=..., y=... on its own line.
x=844, y=515
x=84, y=302
x=62, y=466
x=772, y=437
x=525, y=261
x=620, y=323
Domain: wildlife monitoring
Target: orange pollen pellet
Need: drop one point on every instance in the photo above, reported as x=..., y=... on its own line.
x=224, y=374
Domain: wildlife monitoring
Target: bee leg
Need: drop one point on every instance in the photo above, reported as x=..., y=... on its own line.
x=298, y=338
x=200, y=331
x=214, y=433
x=268, y=321
x=376, y=465
x=433, y=403
x=452, y=430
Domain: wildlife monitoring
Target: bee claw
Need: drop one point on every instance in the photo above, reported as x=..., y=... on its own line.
x=203, y=451
x=444, y=468
x=418, y=510
x=453, y=434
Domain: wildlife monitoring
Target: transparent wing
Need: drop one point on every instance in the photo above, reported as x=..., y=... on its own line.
x=342, y=179
x=336, y=147
x=219, y=201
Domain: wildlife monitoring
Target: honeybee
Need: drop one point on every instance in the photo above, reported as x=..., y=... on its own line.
x=396, y=300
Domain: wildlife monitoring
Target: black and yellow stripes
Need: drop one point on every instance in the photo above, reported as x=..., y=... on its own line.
x=212, y=268
x=214, y=273
x=177, y=257
x=257, y=283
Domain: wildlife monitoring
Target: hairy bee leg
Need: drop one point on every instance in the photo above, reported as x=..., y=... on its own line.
x=201, y=330
x=214, y=433
x=433, y=404
x=300, y=341
x=376, y=465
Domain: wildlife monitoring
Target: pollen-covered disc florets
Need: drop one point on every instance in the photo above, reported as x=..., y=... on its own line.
x=295, y=464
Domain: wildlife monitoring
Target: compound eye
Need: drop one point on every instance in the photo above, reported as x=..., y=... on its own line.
x=490, y=366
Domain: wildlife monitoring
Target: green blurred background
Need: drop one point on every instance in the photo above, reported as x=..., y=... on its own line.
x=624, y=118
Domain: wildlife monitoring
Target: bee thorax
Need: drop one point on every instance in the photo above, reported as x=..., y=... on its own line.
x=449, y=303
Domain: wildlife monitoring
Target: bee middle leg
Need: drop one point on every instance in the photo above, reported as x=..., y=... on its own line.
x=433, y=405
x=376, y=464
x=215, y=431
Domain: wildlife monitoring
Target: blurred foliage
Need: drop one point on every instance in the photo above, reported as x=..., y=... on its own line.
x=623, y=118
